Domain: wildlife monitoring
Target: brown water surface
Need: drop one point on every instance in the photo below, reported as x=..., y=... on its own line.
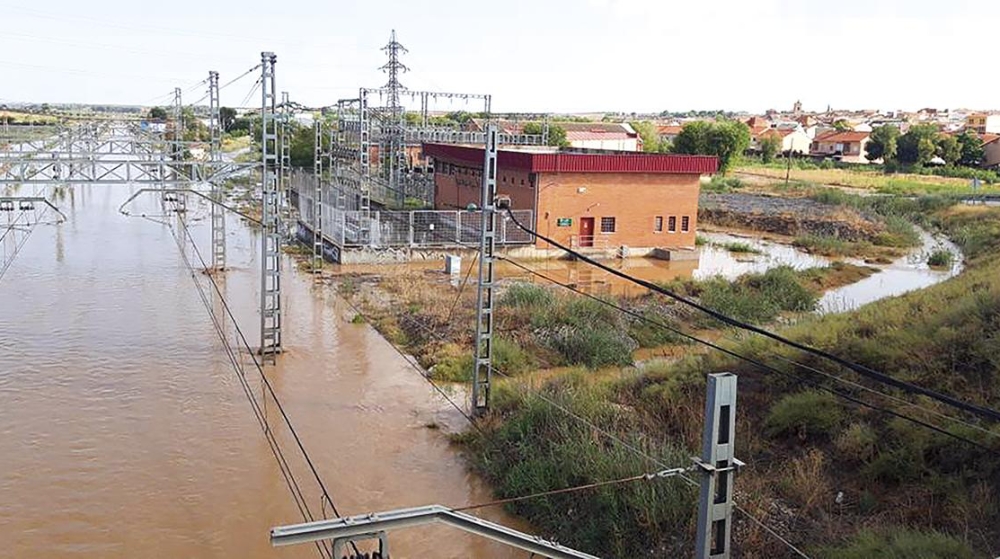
x=124, y=431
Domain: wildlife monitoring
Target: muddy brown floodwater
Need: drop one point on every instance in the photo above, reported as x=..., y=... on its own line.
x=125, y=433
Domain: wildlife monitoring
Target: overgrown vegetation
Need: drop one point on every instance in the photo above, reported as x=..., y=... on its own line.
x=839, y=480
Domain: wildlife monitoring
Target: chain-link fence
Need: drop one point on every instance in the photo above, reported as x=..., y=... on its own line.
x=346, y=226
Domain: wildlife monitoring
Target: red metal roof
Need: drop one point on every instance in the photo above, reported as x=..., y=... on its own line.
x=568, y=162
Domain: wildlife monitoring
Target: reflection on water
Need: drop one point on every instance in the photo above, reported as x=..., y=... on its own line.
x=905, y=274
x=124, y=432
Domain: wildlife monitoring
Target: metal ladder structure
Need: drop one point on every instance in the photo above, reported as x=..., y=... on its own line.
x=218, y=213
x=285, y=140
x=317, y=256
x=483, y=368
x=270, y=278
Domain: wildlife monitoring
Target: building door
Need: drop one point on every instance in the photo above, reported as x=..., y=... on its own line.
x=586, y=231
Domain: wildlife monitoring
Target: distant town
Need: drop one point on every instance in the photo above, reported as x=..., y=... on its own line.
x=840, y=135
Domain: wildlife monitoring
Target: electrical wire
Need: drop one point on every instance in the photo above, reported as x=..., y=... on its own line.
x=237, y=363
x=641, y=477
x=614, y=438
x=862, y=370
x=756, y=362
x=17, y=248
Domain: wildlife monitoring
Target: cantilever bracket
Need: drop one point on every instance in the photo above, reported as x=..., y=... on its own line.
x=365, y=525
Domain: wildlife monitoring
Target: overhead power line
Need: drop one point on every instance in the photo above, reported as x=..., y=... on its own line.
x=862, y=370
x=758, y=363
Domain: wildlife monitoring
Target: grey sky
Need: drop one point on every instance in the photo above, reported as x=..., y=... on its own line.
x=540, y=55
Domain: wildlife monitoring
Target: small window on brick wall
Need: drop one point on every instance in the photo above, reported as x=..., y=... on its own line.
x=607, y=225
x=658, y=224
x=672, y=224
x=685, y=223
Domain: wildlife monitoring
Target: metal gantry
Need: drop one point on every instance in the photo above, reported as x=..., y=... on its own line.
x=270, y=279
x=108, y=153
x=483, y=368
x=215, y=156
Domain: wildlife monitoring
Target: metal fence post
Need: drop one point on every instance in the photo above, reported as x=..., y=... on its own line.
x=412, y=215
x=717, y=465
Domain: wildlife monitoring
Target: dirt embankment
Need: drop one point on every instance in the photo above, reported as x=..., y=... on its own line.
x=787, y=216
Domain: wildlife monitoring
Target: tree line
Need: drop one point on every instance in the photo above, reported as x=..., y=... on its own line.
x=922, y=143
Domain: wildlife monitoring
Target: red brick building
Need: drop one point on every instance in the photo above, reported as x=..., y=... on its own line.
x=602, y=200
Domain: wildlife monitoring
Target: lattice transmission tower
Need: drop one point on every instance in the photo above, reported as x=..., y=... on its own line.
x=395, y=151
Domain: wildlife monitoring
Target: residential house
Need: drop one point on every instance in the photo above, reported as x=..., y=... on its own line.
x=615, y=136
x=848, y=147
x=668, y=132
x=991, y=151
x=983, y=123
x=793, y=140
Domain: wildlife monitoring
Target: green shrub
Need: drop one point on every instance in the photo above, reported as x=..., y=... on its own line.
x=829, y=246
x=806, y=414
x=593, y=346
x=739, y=247
x=539, y=447
x=527, y=295
x=758, y=298
x=511, y=358
x=857, y=442
x=723, y=184
x=940, y=258
x=901, y=544
x=648, y=334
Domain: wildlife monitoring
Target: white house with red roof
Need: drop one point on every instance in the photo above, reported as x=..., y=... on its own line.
x=849, y=146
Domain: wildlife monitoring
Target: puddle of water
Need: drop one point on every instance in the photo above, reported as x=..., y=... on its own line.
x=905, y=274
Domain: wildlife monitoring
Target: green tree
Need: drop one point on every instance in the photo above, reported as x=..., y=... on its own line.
x=158, y=113
x=649, y=134
x=302, y=147
x=556, y=137
x=842, y=125
x=725, y=139
x=971, y=146
x=728, y=140
x=918, y=145
x=770, y=145
x=227, y=117
x=949, y=149
x=883, y=144
x=693, y=138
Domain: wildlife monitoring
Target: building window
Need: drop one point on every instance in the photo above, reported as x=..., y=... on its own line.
x=607, y=225
x=658, y=224
x=672, y=224
x=685, y=224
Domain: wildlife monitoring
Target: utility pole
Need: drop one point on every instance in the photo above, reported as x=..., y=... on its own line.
x=178, y=151
x=364, y=156
x=270, y=278
x=718, y=465
x=317, y=264
x=218, y=213
x=284, y=178
x=483, y=371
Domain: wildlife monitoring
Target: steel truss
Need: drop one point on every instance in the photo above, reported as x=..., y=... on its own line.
x=270, y=289
x=215, y=156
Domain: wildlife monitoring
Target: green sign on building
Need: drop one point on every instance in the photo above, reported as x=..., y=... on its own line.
x=564, y=222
